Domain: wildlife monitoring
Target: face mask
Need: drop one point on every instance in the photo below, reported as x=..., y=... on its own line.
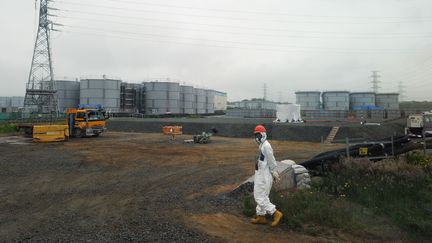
x=258, y=137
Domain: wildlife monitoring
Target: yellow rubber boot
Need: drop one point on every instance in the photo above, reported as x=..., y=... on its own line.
x=277, y=216
x=259, y=220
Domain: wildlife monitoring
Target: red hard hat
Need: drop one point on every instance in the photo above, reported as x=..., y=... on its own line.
x=259, y=128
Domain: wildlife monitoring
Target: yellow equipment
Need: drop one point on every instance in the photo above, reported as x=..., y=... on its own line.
x=50, y=133
x=172, y=130
x=86, y=121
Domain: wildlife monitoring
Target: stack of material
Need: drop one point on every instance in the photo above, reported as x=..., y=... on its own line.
x=291, y=176
x=287, y=177
x=302, y=177
x=300, y=174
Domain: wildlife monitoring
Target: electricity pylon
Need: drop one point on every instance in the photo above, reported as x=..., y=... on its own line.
x=40, y=89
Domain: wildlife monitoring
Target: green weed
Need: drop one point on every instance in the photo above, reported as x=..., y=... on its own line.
x=8, y=128
x=397, y=189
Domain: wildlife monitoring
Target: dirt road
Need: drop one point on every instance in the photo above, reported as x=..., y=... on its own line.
x=132, y=186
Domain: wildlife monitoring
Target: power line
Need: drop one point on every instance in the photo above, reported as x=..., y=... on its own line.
x=263, y=13
x=392, y=34
x=242, y=33
x=152, y=39
x=231, y=18
x=347, y=50
x=417, y=75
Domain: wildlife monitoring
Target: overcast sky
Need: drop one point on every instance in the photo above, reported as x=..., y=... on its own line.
x=232, y=46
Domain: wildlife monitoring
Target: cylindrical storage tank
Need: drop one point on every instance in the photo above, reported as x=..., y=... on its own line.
x=200, y=101
x=391, y=114
x=101, y=91
x=187, y=99
x=174, y=98
x=4, y=102
x=210, y=101
x=17, y=101
x=335, y=100
x=162, y=97
x=388, y=101
x=361, y=99
x=68, y=94
x=308, y=100
x=378, y=114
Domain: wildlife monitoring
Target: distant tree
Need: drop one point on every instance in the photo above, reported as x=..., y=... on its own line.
x=416, y=105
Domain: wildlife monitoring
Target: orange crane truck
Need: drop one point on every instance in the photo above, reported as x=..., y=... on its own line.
x=86, y=121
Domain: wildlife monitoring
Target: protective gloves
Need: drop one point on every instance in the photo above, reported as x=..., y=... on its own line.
x=276, y=176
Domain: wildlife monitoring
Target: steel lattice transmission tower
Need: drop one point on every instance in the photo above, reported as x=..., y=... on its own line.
x=375, y=82
x=40, y=89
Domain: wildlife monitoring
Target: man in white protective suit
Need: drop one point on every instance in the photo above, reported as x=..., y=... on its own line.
x=265, y=173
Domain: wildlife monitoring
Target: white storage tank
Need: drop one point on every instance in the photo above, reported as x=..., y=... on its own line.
x=68, y=94
x=200, y=101
x=11, y=104
x=308, y=100
x=335, y=100
x=101, y=91
x=5, y=102
x=210, y=101
x=17, y=101
x=187, y=99
x=361, y=99
x=162, y=97
x=388, y=101
x=220, y=101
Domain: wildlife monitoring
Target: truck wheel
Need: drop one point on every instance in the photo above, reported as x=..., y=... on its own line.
x=78, y=133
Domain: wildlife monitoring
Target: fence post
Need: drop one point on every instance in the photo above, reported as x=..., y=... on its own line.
x=347, y=148
x=424, y=141
x=392, y=141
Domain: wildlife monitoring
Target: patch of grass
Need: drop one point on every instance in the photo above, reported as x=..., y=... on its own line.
x=400, y=190
x=317, y=208
x=309, y=211
x=8, y=128
x=249, y=206
x=418, y=158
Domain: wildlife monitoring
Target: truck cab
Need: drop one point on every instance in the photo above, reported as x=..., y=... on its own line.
x=417, y=123
x=86, y=121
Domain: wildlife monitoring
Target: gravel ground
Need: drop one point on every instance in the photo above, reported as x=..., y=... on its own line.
x=131, y=187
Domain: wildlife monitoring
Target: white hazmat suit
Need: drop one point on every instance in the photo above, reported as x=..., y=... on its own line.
x=264, y=173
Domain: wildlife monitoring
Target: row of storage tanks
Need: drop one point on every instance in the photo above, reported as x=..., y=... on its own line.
x=345, y=100
x=148, y=97
x=11, y=104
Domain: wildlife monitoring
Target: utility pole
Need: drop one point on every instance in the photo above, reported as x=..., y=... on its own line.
x=265, y=91
x=375, y=81
x=401, y=91
x=40, y=90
